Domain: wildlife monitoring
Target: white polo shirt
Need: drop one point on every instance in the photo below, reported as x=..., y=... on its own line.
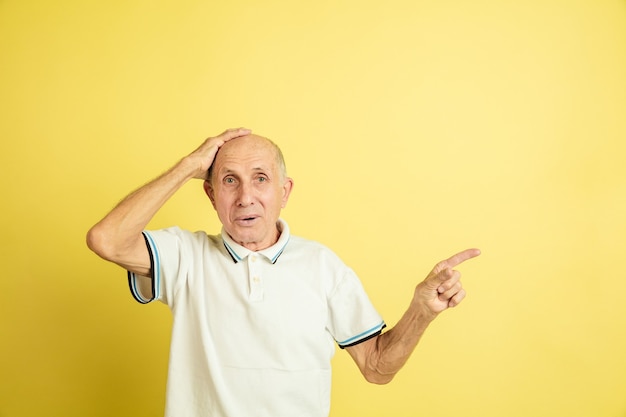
x=253, y=332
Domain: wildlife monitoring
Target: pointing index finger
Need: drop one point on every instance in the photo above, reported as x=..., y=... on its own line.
x=457, y=259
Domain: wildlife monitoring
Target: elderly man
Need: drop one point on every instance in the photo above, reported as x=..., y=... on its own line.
x=256, y=310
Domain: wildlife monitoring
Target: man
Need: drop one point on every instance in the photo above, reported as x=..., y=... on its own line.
x=256, y=310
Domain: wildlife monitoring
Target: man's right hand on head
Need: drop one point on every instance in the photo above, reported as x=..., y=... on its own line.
x=204, y=155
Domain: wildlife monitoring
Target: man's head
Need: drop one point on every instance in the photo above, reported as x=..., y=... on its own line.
x=248, y=187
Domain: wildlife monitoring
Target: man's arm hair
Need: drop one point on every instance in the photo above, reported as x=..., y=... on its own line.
x=379, y=359
x=118, y=237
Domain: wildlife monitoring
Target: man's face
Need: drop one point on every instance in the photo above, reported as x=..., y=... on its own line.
x=248, y=190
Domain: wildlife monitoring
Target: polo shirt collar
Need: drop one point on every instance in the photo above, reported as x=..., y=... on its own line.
x=238, y=252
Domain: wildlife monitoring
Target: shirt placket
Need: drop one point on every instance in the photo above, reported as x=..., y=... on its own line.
x=255, y=278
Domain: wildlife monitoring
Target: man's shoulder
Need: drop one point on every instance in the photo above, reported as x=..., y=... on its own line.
x=309, y=247
x=185, y=235
x=304, y=242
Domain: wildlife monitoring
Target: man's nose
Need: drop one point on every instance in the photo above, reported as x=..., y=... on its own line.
x=246, y=195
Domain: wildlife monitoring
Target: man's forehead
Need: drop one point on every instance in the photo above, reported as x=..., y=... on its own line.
x=243, y=168
x=253, y=153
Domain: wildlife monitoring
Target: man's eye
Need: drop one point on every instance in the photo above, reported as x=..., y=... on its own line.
x=229, y=180
x=262, y=179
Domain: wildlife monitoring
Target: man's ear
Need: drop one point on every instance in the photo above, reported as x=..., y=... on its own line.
x=208, y=189
x=287, y=187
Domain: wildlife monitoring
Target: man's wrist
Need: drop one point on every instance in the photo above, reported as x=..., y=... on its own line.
x=423, y=314
x=189, y=168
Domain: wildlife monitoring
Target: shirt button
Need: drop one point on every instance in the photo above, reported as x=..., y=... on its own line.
x=256, y=280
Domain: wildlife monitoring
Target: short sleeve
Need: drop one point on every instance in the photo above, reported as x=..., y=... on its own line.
x=352, y=317
x=169, y=250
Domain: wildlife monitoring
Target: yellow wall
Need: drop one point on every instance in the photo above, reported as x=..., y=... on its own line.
x=413, y=129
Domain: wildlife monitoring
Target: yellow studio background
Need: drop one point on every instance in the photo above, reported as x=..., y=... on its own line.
x=413, y=129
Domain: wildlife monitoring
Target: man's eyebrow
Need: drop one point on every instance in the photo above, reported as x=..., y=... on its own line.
x=226, y=171
x=230, y=171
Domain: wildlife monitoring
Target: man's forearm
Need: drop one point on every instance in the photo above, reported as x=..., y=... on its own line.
x=394, y=347
x=381, y=358
x=117, y=234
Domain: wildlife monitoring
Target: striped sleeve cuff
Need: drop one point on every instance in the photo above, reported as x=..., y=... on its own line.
x=362, y=337
x=155, y=275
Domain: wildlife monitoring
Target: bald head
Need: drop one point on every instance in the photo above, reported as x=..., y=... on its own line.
x=245, y=145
